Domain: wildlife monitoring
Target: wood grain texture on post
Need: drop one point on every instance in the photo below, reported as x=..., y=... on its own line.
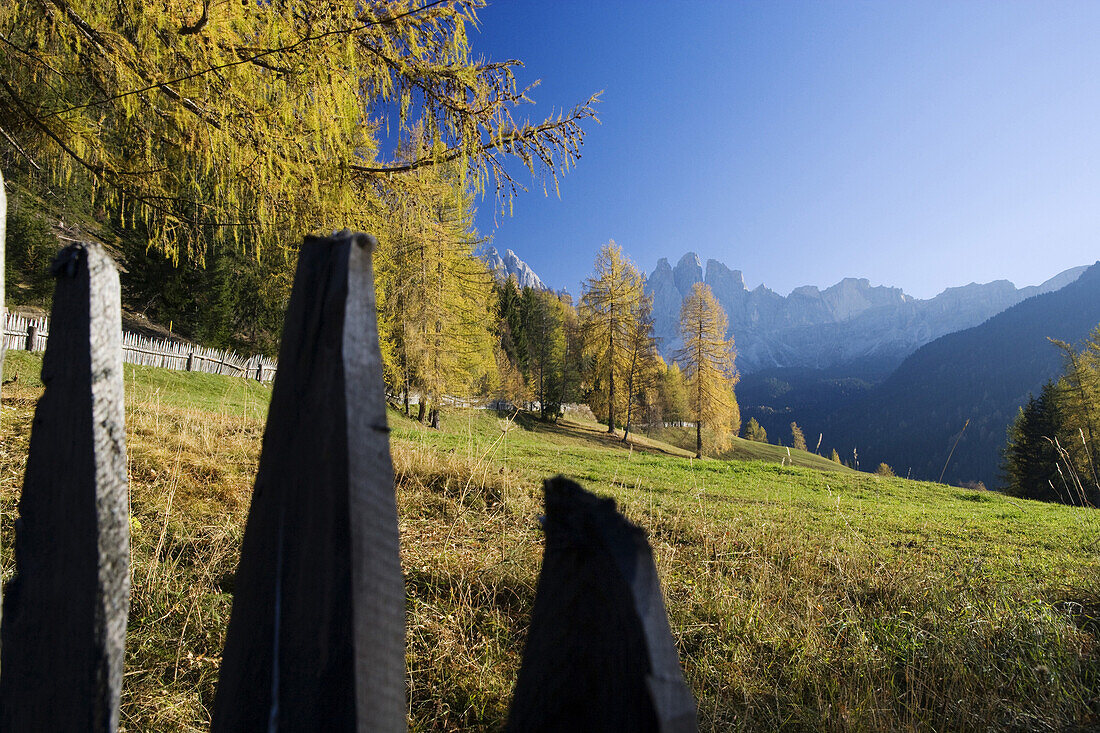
x=316, y=641
x=600, y=655
x=3, y=301
x=64, y=626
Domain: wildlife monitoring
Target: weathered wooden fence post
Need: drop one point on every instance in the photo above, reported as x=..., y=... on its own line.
x=32, y=337
x=316, y=638
x=3, y=276
x=600, y=655
x=3, y=238
x=65, y=623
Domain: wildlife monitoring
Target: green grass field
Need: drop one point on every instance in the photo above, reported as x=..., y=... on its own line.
x=800, y=599
x=747, y=450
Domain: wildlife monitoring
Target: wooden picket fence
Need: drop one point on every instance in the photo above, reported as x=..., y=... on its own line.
x=32, y=334
x=25, y=334
x=316, y=638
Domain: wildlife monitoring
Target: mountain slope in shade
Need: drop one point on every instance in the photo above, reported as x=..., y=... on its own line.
x=984, y=374
x=849, y=322
x=509, y=265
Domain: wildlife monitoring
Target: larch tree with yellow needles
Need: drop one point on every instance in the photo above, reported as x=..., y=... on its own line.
x=641, y=349
x=608, y=313
x=707, y=358
x=256, y=122
x=435, y=295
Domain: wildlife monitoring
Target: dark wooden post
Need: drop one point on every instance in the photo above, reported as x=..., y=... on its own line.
x=316, y=637
x=3, y=276
x=32, y=337
x=600, y=655
x=191, y=361
x=3, y=237
x=65, y=623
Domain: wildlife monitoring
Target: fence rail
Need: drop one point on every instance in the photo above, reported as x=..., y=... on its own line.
x=31, y=334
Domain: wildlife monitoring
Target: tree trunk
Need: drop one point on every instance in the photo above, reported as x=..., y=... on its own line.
x=434, y=419
x=626, y=426
x=699, y=395
x=422, y=410
x=542, y=391
x=564, y=371
x=611, y=378
x=630, y=393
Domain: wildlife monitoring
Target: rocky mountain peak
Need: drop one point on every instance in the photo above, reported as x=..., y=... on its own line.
x=852, y=296
x=689, y=270
x=720, y=277
x=509, y=265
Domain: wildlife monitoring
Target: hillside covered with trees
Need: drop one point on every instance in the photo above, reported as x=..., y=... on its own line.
x=202, y=147
x=975, y=379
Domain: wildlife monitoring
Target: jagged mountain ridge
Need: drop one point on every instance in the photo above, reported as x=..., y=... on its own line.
x=851, y=321
x=509, y=265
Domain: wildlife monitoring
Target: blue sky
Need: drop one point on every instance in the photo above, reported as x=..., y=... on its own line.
x=922, y=145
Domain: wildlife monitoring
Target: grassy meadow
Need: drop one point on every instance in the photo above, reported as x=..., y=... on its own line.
x=800, y=598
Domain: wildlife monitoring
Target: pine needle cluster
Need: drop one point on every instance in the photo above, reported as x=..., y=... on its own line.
x=252, y=121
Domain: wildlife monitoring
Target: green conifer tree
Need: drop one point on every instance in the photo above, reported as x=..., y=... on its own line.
x=544, y=319
x=1030, y=458
x=641, y=347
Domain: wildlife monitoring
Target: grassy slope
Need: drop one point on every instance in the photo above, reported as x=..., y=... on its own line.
x=800, y=599
x=748, y=450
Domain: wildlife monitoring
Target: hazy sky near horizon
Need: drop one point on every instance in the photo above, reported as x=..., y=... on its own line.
x=918, y=144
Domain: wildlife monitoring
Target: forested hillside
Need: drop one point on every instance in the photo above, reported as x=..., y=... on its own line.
x=202, y=149
x=982, y=375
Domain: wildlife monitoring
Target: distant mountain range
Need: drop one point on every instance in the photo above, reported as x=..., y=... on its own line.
x=850, y=323
x=912, y=418
x=511, y=266
x=861, y=329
